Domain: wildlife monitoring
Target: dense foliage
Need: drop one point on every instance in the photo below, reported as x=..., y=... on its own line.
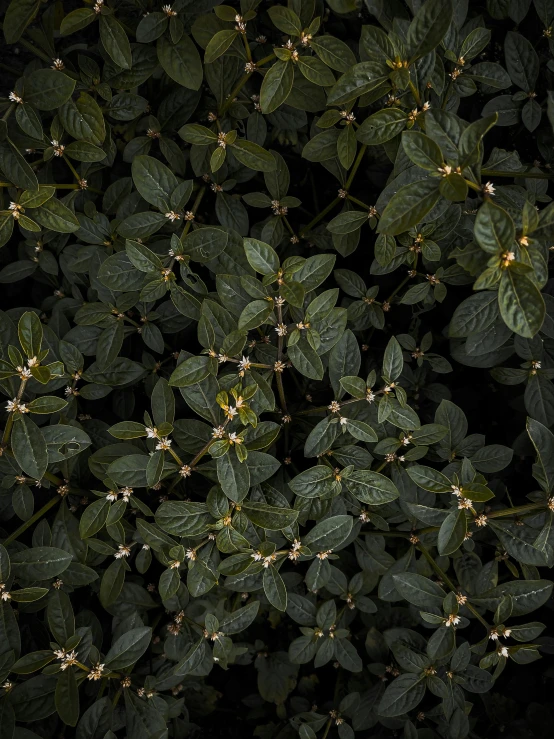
x=277, y=317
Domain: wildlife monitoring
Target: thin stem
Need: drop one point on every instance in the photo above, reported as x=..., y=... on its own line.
x=444, y=577
x=9, y=111
x=53, y=184
x=355, y=166
x=527, y=175
x=358, y=202
x=327, y=728
x=11, y=417
x=194, y=210
x=73, y=170
x=318, y=218
x=35, y=517
x=240, y=84
x=415, y=93
x=279, y=375
x=473, y=186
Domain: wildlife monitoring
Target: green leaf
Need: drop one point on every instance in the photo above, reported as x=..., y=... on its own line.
x=402, y=695
x=261, y=257
x=219, y=44
x=253, y=156
x=94, y=518
x=181, y=61
x=521, y=304
x=40, y=563
x=329, y=534
x=381, y=126
x=128, y=648
x=30, y=333
x=276, y=86
x=269, y=517
x=452, y=533
x=314, y=482
x=76, y=20
x=29, y=447
x=409, y=206
x=429, y=479
x=233, y=476
x=527, y=595
x=53, y=214
x=115, y=41
x=19, y=15
x=428, y=27
x=254, y=314
x=274, y=588
x=393, y=361
x=543, y=441
x=422, y=150
x=494, y=229
x=419, y=590
x=358, y=80
x=285, y=20
x=306, y=360
x=370, y=487
x=333, y=52
x=316, y=71
x=47, y=404
x=154, y=181
x=48, y=89
x=67, y=697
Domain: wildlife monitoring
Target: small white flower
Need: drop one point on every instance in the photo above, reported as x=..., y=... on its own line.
x=488, y=189
x=334, y=406
x=250, y=67
x=503, y=651
x=168, y=11
x=164, y=443
x=218, y=432
x=14, y=98
x=58, y=148
x=452, y=620
x=68, y=659
x=57, y=64
x=112, y=496
x=123, y=551
x=281, y=329
x=343, y=420
x=126, y=493
x=244, y=364
x=324, y=555
x=369, y=396
x=151, y=432
x=14, y=406
x=185, y=471
x=173, y=216
x=96, y=672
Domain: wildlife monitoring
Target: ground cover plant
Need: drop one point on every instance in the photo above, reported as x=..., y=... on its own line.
x=277, y=353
